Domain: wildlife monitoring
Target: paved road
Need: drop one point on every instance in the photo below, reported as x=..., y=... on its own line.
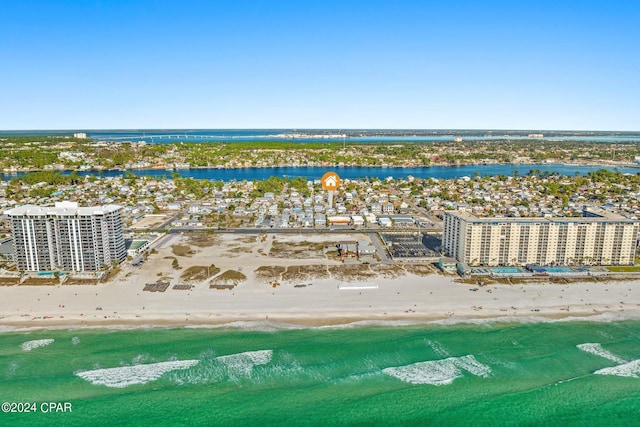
x=437, y=224
x=382, y=251
x=179, y=230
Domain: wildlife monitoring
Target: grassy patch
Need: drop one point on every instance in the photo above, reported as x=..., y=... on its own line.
x=41, y=281
x=624, y=268
x=332, y=254
x=388, y=271
x=203, y=240
x=199, y=273
x=9, y=281
x=421, y=269
x=227, y=280
x=467, y=280
x=303, y=273
x=79, y=281
x=249, y=239
x=182, y=250
x=351, y=272
x=269, y=272
x=297, y=250
x=237, y=250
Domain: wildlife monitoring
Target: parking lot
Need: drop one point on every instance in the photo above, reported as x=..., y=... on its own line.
x=407, y=246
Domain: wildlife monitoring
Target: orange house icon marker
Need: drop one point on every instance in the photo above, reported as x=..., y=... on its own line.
x=330, y=181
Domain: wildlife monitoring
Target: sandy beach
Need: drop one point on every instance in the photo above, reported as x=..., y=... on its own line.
x=302, y=285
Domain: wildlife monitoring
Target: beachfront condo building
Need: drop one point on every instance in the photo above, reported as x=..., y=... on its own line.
x=596, y=238
x=67, y=237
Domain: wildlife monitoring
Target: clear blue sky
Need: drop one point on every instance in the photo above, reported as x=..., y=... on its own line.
x=320, y=64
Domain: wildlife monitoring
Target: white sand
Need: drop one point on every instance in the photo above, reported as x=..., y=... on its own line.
x=410, y=297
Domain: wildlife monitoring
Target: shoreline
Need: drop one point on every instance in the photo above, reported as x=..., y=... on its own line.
x=440, y=165
x=428, y=300
x=296, y=323
x=302, y=287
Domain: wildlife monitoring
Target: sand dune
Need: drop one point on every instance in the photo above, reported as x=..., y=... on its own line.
x=304, y=298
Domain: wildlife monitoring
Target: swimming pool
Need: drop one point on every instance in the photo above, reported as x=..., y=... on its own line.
x=506, y=270
x=50, y=273
x=559, y=270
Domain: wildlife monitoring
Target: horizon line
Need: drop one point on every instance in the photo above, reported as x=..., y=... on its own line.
x=320, y=129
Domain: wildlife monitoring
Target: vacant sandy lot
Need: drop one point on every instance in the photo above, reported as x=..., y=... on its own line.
x=233, y=277
x=149, y=221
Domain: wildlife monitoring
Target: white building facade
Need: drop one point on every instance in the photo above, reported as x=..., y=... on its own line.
x=67, y=237
x=601, y=238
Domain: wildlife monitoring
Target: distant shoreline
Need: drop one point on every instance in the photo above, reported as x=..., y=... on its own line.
x=22, y=171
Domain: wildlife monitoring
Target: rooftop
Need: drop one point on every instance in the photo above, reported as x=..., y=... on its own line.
x=590, y=215
x=62, y=209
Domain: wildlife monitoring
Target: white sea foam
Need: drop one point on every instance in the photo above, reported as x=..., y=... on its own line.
x=75, y=340
x=251, y=325
x=439, y=372
x=13, y=367
x=243, y=363
x=459, y=320
x=272, y=326
x=596, y=348
x=437, y=348
x=630, y=369
x=604, y=317
x=30, y=345
x=367, y=323
x=143, y=358
x=232, y=367
x=137, y=374
x=471, y=365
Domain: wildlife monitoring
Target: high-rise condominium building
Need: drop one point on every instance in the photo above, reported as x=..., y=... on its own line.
x=598, y=237
x=67, y=237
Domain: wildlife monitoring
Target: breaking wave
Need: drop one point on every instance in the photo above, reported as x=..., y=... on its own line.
x=30, y=345
x=232, y=367
x=242, y=363
x=596, y=349
x=137, y=374
x=439, y=372
x=629, y=369
x=438, y=348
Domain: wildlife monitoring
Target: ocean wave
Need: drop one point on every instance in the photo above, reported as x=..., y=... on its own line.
x=30, y=345
x=604, y=317
x=243, y=363
x=75, y=340
x=251, y=325
x=368, y=323
x=232, y=367
x=629, y=369
x=438, y=348
x=596, y=349
x=97, y=327
x=450, y=321
x=439, y=372
x=11, y=370
x=276, y=326
x=137, y=374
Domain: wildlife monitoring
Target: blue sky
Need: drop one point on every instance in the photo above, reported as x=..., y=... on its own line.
x=320, y=64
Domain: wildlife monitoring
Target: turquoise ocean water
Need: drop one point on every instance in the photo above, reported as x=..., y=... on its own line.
x=555, y=373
